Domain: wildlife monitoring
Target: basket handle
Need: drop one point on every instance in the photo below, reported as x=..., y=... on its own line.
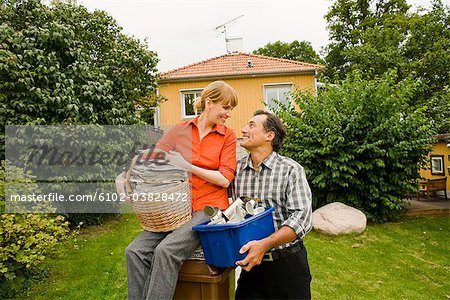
x=128, y=175
x=120, y=186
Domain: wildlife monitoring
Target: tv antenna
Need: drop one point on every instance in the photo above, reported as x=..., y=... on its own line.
x=233, y=44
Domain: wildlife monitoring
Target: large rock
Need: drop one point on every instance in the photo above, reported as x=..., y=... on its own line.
x=337, y=218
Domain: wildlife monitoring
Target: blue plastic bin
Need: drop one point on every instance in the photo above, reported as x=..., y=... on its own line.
x=221, y=242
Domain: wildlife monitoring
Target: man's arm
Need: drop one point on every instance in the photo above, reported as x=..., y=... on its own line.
x=298, y=203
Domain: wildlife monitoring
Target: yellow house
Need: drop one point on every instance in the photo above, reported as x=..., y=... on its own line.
x=258, y=81
x=439, y=160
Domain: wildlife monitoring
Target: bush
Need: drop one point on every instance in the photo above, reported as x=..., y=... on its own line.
x=26, y=240
x=61, y=64
x=359, y=142
x=88, y=219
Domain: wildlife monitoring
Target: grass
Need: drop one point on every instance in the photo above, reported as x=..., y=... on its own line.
x=92, y=266
x=403, y=260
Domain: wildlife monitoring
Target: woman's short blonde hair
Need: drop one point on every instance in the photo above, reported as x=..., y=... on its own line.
x=217, y=92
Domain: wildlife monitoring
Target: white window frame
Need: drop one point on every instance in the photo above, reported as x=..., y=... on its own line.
x=272, y=85
x=182, y=102
x=437, y=165
x=157, y=118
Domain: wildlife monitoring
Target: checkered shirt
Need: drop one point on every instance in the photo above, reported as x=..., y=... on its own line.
x=281, y=183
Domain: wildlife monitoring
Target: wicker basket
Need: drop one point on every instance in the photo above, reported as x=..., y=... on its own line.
x=160, y=195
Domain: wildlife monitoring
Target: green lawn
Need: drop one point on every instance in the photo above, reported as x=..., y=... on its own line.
x=403, y=260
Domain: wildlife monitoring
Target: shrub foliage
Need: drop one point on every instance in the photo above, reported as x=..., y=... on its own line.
x=359, y=142
x=26, y=240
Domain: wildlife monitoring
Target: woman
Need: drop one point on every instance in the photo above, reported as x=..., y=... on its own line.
x=207, y=148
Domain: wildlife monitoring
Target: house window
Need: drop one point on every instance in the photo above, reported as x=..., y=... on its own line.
x=187, y=102
x=437, y=165
x=277, y=93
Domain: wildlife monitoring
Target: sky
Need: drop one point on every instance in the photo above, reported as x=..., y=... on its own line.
x=182, y=31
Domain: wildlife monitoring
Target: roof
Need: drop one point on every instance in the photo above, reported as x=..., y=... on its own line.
x=443, y=137
x=238, y=65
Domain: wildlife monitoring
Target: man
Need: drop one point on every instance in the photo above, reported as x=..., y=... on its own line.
x=277, y=266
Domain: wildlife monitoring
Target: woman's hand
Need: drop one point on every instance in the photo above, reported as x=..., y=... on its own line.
x=176, y=159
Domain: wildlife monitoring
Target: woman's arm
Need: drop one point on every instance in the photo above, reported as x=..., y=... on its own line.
x=227, y=159
x=212, y=176
x=227, y=163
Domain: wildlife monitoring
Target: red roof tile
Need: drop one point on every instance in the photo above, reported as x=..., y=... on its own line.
x=237, y=64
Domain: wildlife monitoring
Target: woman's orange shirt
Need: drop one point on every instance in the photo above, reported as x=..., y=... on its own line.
x=216, y=151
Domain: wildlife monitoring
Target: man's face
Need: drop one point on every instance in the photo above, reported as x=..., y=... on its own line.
x=253, y=133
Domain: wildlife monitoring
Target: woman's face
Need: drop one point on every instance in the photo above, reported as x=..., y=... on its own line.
x=218, y=112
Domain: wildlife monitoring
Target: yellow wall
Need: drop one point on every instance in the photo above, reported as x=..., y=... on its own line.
x=439, y=149
x=250, y=92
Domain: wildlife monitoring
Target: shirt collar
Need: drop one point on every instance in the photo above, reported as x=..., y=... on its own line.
x=268, y=162
x=216, y=128
x=247, y=163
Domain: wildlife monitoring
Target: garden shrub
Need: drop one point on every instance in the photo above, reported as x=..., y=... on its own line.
x=26, y=240
x=359, y=142
x=87, y=219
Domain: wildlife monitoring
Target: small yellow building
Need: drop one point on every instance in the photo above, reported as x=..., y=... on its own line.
x=439, y=160
x=258, y=81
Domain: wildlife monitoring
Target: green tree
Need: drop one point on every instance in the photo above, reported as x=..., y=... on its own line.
x=427, y=52
x=62, y=64
x=375, y=36
x=299, y=51
x=359, y=142
x=365, y=35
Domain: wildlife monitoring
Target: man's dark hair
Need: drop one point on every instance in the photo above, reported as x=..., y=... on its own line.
x=273, y=123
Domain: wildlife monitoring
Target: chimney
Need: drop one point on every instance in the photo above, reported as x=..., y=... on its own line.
x=234, y=44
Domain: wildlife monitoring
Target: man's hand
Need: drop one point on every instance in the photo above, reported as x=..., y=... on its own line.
x=256, y=250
